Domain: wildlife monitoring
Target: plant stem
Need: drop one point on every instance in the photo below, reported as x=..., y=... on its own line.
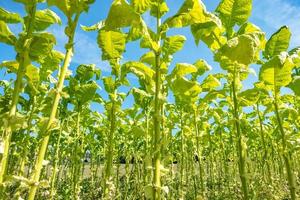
x=157, y=116
x=23, y=63
x=241, y=153
x=286, y=157
x=45, y=131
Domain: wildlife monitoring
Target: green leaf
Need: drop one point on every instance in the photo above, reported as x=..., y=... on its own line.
x=71, y=7
x=41, y=45
x=9, y=17
x=234, y=12
x=109, y=84
x=63, y=5
x=210, y=83
x=191, y=12
x=277, y=72
x=185, y=91
x=95, y=27
x=6, y=36
x=243, y=49
x=87, y=72
x=43, y=19
x=182, y=69
x=32, y=72
x=142, y=71
x=121, y=14
x=295, y=85
x=202, y=67
x=140, y=6
x=140, y=96
x=211, y=33
x=50, y=63
x=278, y=42
x=249, y=97
x=112, y=44
x=148, y=58
x=162, y=8
x=173, y=44
x=86, y=92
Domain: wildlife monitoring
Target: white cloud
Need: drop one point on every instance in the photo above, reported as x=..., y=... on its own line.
x=276, y=13
x=86, y=48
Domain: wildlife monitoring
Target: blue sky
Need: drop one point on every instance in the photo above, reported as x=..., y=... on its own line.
x=270, y=15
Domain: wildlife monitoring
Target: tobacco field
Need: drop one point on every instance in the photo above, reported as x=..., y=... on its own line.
x=190, y=132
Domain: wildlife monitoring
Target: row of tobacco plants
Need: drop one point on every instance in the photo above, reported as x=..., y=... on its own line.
x=216, y=140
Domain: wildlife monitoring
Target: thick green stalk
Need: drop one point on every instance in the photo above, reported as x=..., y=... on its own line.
x=157, y=118
x=44, y=144
x=110, y=150
x=198, y=153
x=24, y=62
x=241, y=153
x=55, y=166
x=265, y=161
x=286, y=157
x=76, y=163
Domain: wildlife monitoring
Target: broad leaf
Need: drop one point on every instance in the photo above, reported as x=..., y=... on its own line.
x=277, y=71
x=210, y=83
x=243, y=49
x=278, y=42
x=295, y=85
x=6, y=36
x=121, y=14
x=210, y=33
x=140, y=6
x=43, y=19
x=173, y=44
x=234, y=12
x=9, y=17
x=191, y=12
x=112, y=44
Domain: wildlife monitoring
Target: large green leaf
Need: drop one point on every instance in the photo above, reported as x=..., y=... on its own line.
x=32, y=72
x=161, y=6
x=148, y=58
x=109, y=84
x=50, y=63
x=63, y=5
x=140, y=6
x=278, y=42
x=278, y=71
x=71, y=7
x=295, y=85
x=210, y=83
x=6, y=36
x=202, y=67
x=191, y=12
x=182, y=69
x=234, y=11
x=249, y=97
x=41, y=45
x=112, y=44
x=185, y=90
x=242, y=49
x=140, y=96
x=87, y=72
x=86, y=92
x=143, y=72
x=121, y=14
x=140, y=69
x=173, y=44
x=43, y=19
x=9, y=17
x=211, y=33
